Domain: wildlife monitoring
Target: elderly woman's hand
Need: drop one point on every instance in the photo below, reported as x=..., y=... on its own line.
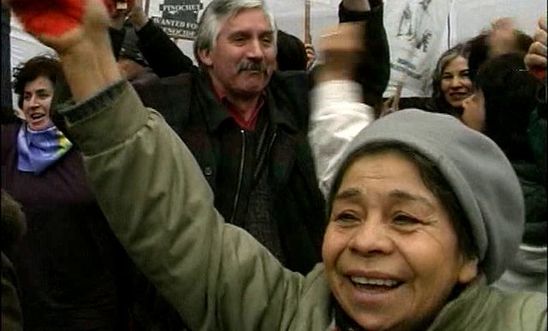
x=78, y=31
x=62, y=24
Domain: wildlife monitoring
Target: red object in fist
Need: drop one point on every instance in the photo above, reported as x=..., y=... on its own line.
x=538, y=72
x=52, y=17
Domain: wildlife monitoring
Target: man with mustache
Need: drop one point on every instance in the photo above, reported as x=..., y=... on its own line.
x=246, y=124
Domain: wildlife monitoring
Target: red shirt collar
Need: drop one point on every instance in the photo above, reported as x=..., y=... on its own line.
x=236, y=113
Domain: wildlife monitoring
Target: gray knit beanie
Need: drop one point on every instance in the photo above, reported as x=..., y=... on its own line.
x=477, y=170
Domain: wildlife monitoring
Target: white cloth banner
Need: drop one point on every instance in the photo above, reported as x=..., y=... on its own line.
x=417, y=34
x=417, y=30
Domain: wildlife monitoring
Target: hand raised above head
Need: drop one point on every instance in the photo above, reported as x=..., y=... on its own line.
x=535, y=59
x=78, y=31
x=341, y=48
x=61, y=24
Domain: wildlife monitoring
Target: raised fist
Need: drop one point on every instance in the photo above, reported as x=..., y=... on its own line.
x=78, y=31
x=53, y=17
x=62, y=23
x=535, y=60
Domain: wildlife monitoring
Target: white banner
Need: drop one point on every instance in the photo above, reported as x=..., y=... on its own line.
x=417, y=33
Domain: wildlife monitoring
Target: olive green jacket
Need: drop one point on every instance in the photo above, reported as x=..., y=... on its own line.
x=215, y=274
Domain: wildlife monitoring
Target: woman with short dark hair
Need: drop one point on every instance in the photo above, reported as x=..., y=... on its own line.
x=71, y=269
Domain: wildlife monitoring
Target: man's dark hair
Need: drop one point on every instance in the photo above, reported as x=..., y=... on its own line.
x=291, y=52
x=478, y=48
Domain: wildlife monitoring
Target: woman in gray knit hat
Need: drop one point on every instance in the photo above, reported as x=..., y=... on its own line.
x=423, y=215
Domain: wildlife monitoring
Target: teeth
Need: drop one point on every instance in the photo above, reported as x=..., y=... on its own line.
x=374, y=281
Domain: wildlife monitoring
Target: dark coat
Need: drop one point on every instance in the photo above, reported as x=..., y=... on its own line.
x=189, y=106
x=191, y=109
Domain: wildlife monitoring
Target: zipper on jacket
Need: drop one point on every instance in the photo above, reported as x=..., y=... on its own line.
x=240, y=178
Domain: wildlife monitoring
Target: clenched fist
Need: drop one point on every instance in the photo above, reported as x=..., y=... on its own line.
x=53, y=17
x=78, y=31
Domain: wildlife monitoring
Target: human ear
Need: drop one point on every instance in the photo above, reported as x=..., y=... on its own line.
x=205, y=57
x=468, y=270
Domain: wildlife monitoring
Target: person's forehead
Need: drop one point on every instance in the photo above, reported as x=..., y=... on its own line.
x=251, y=18
x=383, y=165
x=458, y=62
x=39, y=83
x=399, y=177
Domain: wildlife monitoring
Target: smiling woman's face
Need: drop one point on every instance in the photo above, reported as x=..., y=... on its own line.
x=37, y=98
x=455, y=81
x=390, y=251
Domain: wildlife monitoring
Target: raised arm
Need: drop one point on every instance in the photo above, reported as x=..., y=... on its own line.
x=338, y=112
x=535, y=59
x=162, y=54
x=349, y=83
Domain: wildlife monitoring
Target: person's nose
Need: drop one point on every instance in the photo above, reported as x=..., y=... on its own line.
x=372, y=238
x=255, y=49
x=33, y=101
x=456, y=82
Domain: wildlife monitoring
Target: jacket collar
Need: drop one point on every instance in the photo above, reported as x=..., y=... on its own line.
x=276, y=104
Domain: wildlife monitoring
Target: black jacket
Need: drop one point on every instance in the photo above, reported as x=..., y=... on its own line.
x=191, y=109
x=188, y=104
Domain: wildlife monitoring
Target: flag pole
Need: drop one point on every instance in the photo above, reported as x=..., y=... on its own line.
x=307, y=36
x=147, y=6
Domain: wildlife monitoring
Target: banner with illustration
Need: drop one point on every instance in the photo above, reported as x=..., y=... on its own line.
x=418, y=33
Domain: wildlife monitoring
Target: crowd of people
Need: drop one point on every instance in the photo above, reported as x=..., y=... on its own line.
x=263, y=189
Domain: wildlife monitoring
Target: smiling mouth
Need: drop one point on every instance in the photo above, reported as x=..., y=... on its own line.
x=251, y=71
x=375, y=284
x=460, y=95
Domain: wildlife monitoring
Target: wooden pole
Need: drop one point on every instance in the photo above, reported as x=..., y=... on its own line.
x=307, y=35
x=147, y=6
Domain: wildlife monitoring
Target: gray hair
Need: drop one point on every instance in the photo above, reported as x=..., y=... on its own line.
x=218, y=10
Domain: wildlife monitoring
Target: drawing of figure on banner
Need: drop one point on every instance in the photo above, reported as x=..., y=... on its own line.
x=417, y=33
x=410, y=29
x=179, y=18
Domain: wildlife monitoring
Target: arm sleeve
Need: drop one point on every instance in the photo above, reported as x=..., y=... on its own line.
x=337, y=116
x=160, y=207
x=162, y=54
